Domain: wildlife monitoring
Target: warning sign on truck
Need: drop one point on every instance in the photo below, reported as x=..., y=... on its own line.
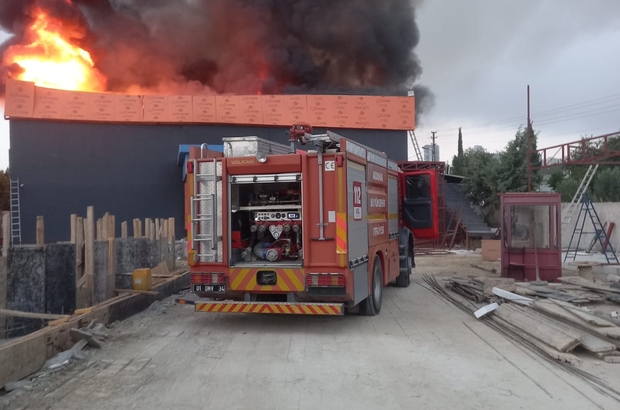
x=357, y=201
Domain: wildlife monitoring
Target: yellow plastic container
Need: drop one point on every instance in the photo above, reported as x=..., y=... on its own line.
x=142, y=279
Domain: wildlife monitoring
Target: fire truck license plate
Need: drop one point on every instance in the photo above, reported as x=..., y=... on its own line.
x=210, y=288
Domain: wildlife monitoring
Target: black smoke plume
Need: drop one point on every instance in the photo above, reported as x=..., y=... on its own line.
x=240, y=46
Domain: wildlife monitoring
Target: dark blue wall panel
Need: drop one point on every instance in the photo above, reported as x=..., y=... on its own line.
x=128, y=170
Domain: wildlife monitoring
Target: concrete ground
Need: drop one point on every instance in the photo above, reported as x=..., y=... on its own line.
x=420, y=352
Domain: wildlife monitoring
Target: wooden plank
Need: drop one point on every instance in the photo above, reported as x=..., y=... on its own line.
x=591, y=319
x=112, y=228
x=588, y=284
x=124, y=230
x=111, y=274
x=89, y=250
x=81, y=293
x=164, y=229
x=98, y=230
x=157, y=229
x=73, y=227
x=25, y=356
x=170, y=230
x=147, y=228
x=588, y=341
x=550, y=351
x=557, y=311
x=133, y=291
x=58, y=321
x=105, y=227
x=559, y=340
x=40, y=231
x=30, y=315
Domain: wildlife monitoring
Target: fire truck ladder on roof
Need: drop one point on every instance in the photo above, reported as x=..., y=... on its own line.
x=583, y=187
x=16, y=226
x=416, y=146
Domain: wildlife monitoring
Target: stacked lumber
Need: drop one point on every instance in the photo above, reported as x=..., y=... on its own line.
x=548, y=317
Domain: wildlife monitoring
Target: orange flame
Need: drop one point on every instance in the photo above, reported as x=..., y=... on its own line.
x=52, y=61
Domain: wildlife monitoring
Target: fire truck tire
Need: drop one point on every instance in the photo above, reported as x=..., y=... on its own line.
x=372, y=305
x=403, y=280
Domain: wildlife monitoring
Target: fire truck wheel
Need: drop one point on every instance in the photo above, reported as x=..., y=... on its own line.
x=372, y=305
x=403, y=280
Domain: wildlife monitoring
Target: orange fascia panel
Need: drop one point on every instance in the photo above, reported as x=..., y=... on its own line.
x=296, y=109
x=180, y=108
x=19, y=99
x=227, y=109
x=320, y=110
x=204, y=108
x=250, y=109
x=364, y=112
x=128, y=108
x=405, y=114
x=386, y=109
x=342, y=111
x=78, y=106
x=103, y=106
x=156, y=108
x=274, y=110
x=49, y=103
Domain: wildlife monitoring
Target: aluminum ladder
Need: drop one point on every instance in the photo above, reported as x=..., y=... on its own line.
x=588, y=210
x=577, y=199
x=16, y=225
x=204, y=213
x=416, y=146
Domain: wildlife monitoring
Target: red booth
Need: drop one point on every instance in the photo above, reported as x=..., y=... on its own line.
x=531, y=236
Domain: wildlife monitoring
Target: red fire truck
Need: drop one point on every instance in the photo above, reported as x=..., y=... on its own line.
x=277, y=230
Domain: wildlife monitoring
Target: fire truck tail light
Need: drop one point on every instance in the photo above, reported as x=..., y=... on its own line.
x=208, y=278
x=325, y=279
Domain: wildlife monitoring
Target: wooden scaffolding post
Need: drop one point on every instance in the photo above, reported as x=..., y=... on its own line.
x=124, y=230
x=73, y=227
x=89, y=258
x=40, y=231
x=171, y=229
x=112, y=228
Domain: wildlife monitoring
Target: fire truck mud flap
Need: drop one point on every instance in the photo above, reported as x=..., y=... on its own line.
x=271, y=308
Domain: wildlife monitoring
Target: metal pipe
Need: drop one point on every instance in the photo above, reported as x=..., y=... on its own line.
x=202, y=147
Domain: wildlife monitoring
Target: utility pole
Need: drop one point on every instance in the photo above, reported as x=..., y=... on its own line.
x=434, y=137
x=529, y=143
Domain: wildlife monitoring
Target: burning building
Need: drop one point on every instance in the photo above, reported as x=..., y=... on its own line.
x=101, y=94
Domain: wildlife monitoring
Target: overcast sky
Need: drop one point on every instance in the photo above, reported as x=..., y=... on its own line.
x=479, y=56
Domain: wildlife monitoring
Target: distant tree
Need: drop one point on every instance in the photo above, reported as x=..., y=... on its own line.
x=568, y=188
x=480, y=168
x=607, y=185
x=555, y=179
x=513, y=166
x=5, y=191
x=458, y=160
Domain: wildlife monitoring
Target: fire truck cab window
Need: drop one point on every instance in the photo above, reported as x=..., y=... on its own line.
x=419, y=187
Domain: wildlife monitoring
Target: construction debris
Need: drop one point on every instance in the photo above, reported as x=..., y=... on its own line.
x=551, y=329
x=549, y=317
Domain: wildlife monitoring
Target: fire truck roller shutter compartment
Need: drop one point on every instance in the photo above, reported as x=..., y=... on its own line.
x=207, y=212
x=358, y=229
x=266, y=220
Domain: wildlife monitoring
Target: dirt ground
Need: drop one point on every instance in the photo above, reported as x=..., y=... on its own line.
x=420, y=352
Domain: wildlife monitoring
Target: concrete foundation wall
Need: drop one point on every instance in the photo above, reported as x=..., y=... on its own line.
x=25, y=288
x=43, y=279
x=128, y=170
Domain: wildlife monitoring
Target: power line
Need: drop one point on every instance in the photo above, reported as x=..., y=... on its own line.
x=546, y=113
